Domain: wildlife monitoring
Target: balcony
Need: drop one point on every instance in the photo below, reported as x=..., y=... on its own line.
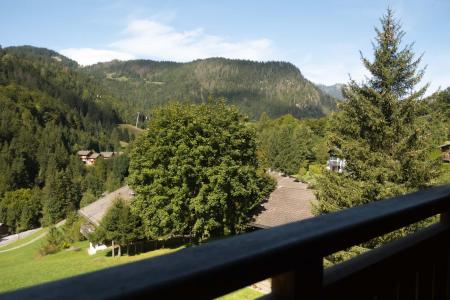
x=414, y=267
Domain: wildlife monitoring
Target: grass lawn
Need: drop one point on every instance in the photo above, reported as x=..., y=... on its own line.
x=23, y=267
x=243, y=294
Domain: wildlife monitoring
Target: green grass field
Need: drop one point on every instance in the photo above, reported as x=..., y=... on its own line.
x=24, y=267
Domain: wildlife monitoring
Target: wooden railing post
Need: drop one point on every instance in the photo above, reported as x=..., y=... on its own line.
x=445, y=263
x=304, y=282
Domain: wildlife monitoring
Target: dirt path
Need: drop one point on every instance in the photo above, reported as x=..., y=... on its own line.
x=31, y=241
x=16, y=237
x=25, y=244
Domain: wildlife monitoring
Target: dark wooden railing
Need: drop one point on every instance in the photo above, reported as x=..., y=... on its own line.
x=414, y=267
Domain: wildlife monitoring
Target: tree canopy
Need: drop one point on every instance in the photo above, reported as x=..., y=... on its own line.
x=195, y=172
x=381, y=130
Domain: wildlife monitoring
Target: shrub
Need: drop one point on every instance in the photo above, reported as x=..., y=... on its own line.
x=54, y=242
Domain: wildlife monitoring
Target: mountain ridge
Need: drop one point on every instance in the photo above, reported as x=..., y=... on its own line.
x=274, y=87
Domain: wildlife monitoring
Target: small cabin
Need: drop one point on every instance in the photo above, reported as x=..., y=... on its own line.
x=84, y=154
x=89, y=157
x=92, y=158
x=445, y=150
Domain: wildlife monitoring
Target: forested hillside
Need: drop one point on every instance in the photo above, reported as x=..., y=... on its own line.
x=48, y=112
x=276, y=88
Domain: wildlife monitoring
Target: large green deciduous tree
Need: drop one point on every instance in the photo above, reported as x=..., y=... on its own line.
x=381, y=130
x=196, y=173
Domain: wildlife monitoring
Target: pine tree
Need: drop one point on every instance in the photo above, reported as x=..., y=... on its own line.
x=381, y=130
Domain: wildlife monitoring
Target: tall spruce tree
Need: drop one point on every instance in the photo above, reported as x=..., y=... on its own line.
x=381, y=130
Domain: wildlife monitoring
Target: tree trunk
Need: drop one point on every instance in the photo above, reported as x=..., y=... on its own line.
x=120, y=251
x=113, y=249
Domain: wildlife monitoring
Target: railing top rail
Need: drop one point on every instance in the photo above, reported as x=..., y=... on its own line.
x=224, y=265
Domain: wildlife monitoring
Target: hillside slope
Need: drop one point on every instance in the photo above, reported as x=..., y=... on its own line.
x=48, y=112
x=276, y=88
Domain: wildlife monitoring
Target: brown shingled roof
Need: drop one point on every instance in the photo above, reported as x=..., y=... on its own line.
x=84, y=152
x=95, y=211
x=290, y=202
x=107, y=154
x=94, y=155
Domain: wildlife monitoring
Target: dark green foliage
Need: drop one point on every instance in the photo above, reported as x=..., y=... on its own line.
x=276, y=88
x=195, y=172
x=61, y=195
x=119, y=225
x=20, y=209
x=440, y=106
x=71, y=228
x=288, y=144
x=49, y=110
x=382, y=131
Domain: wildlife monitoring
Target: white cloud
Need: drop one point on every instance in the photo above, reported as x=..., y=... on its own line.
x=144, y=38
x=89, y=56
x=153, y=39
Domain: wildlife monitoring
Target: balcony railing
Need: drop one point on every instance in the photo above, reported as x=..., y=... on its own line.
x=413, y=267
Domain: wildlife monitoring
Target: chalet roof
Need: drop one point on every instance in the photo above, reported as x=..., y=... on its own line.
x=95, y=211
x=84, y=152
x=290, y=202
x=446, y=144
x=107, y=154
x=94, y=155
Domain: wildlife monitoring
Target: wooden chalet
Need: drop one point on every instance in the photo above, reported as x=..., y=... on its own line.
x=84, y=154
x=89, y=157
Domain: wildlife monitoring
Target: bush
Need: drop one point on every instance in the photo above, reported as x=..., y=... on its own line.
x=61, y=238
x=54, y=242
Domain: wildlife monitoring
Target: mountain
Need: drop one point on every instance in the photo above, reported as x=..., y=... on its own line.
x=49, y=110
x=276, y=88
x=334, y=90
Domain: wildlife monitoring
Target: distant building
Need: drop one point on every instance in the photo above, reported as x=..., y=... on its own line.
x=89, y=157
x=445, y=149
x=336, y=164
x=92, y=158
x=84, y=154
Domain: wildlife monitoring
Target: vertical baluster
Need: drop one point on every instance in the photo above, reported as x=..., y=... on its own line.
x=443, y=267
x=305, y=282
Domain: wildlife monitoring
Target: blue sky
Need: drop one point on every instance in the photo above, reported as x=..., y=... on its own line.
x=322, y=38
